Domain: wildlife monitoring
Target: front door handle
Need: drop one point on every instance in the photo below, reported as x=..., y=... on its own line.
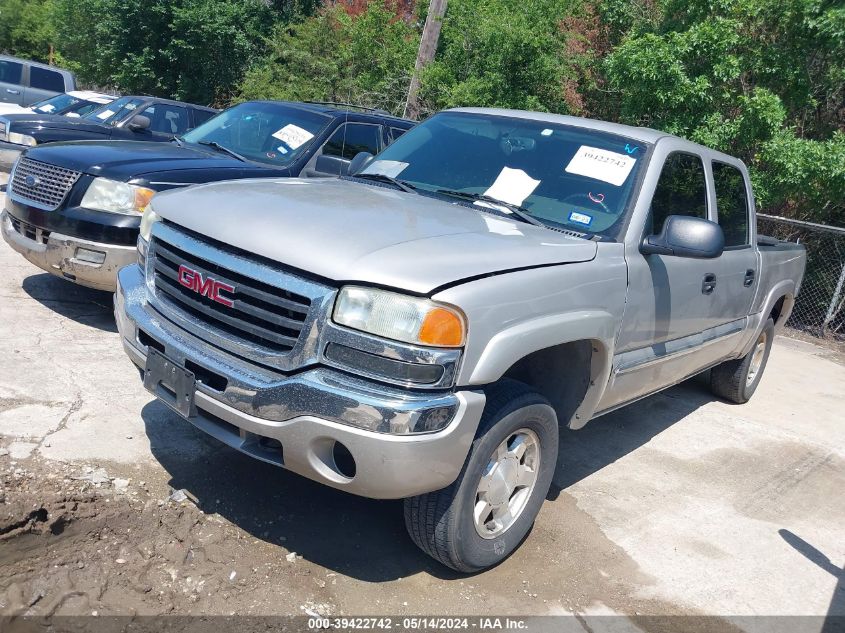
x=749, y=278
x=709, y=284
x=13, y=92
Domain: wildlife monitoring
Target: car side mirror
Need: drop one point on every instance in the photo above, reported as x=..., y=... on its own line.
x=686, y=236
x=360, y=162
x=139, y=123
x=331, y=165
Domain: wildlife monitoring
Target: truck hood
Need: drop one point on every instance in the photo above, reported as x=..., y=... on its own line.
x=352, y=232
x=132, y=160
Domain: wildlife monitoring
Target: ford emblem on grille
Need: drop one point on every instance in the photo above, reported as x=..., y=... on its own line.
x=32, y=181
x=205, y=286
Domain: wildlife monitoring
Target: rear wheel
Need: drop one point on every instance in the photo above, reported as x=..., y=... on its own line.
x=737, y=380
x=481, y=518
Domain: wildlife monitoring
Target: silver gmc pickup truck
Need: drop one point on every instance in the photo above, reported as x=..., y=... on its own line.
x=420, y=329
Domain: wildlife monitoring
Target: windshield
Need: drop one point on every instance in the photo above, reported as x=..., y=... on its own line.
x=114, y=112
x=65, y=104
x=270, y=133
x=564, y=176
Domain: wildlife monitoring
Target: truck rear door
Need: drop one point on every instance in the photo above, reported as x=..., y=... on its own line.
x=11, y=81
x=737, y=270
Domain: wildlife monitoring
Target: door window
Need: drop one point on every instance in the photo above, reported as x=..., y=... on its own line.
x=10, y=72
x=351, y=138
x=681, y=190
x=167, y=119
x=396, y=132
x=44, y=79
x=731, y=204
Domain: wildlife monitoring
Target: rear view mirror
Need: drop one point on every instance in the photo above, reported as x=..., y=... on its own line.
x=360, y=162
x=686, y=236
x=139, y=123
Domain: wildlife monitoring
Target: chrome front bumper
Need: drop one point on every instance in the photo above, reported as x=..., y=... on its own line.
x=84, y=262
x=308, y=413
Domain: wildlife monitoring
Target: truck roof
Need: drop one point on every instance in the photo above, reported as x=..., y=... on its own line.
x=339, y=108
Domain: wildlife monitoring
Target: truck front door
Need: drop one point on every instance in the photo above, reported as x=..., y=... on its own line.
x=668, y=326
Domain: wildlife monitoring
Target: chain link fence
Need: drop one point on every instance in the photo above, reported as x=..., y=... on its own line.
x=820, y=307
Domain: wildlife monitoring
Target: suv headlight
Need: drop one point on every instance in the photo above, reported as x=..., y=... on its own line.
x=399, y=317
x=21, y=139
x=116, y=197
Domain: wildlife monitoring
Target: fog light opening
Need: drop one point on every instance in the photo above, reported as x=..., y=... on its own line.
x=344, y=463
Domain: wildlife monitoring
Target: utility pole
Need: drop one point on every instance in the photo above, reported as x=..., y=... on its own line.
x=428, y=47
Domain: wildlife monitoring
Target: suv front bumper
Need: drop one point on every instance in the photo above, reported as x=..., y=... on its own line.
x=296, y=420
x=88, y=263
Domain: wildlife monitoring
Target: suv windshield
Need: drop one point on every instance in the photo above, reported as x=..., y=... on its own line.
x=65, y=104
x=563, y=176
x=114, y=112
x=270, y=133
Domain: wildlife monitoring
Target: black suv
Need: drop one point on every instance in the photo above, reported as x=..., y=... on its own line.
x=128, y=118
x=74, y=209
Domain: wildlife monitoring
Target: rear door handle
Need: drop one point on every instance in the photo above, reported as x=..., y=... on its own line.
x=749, y=278
x=13, y=92
x=709, y=284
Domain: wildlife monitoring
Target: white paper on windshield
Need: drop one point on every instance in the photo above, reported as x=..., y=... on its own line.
x=601, y=165
x=390, y=168
x=48, y=108
x=512, y=186
x=105, y=114
x=293, y=135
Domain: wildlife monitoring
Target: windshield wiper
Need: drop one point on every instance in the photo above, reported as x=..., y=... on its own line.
x=400, y=184
x=178, y=140
x=516, y=210
x=225, y=150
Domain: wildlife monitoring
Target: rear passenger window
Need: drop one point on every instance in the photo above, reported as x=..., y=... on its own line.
x=681, y=190
x=44, y=79
x=731, y=204
x=351, y=138
x=10, y=72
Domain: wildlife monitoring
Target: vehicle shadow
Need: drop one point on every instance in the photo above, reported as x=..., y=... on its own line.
x=365, y=538
x=87, y=306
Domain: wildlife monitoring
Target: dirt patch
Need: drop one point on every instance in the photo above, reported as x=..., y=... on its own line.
x=71, y=544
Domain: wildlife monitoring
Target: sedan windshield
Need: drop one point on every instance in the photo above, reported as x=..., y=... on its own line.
x=265, y=132
x=564, y=176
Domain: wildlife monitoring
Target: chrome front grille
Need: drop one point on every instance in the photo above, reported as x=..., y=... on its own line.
x=40, y=184
x=262, y=312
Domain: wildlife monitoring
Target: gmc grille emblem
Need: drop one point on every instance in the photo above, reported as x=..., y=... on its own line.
x=205, y=286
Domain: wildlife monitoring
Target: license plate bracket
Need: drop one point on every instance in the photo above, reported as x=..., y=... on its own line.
x=170, y=382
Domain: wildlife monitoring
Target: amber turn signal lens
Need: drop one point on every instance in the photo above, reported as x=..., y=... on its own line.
x=142, y=198
x=442, y=327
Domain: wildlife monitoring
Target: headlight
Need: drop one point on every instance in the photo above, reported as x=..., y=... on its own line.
x=149, y=218
x=116, y=197
x=399, y=317
x=21, y=139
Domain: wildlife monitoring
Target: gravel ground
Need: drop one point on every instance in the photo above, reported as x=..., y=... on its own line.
x=679, y=504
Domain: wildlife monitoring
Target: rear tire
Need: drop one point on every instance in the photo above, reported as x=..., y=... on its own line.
x=737, y=380
x=515, y=453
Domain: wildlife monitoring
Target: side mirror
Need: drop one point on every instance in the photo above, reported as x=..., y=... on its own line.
x=139, y=123
x=359, y=162
x=331, y=166
x=685, y=236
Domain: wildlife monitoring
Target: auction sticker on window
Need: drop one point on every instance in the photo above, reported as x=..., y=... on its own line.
x=105, y=114
x=293, y=135
x=601, y=164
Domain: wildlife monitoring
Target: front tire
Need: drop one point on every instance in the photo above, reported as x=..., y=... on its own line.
x=482, y=517
x=737, y=380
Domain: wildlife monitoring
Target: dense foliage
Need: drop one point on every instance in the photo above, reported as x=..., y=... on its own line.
x=763, y=80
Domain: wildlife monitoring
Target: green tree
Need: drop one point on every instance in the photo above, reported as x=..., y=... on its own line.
x=366, y=59
x=26, y=28
x=195, y=50
x=761, y=80
x=503, y=53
